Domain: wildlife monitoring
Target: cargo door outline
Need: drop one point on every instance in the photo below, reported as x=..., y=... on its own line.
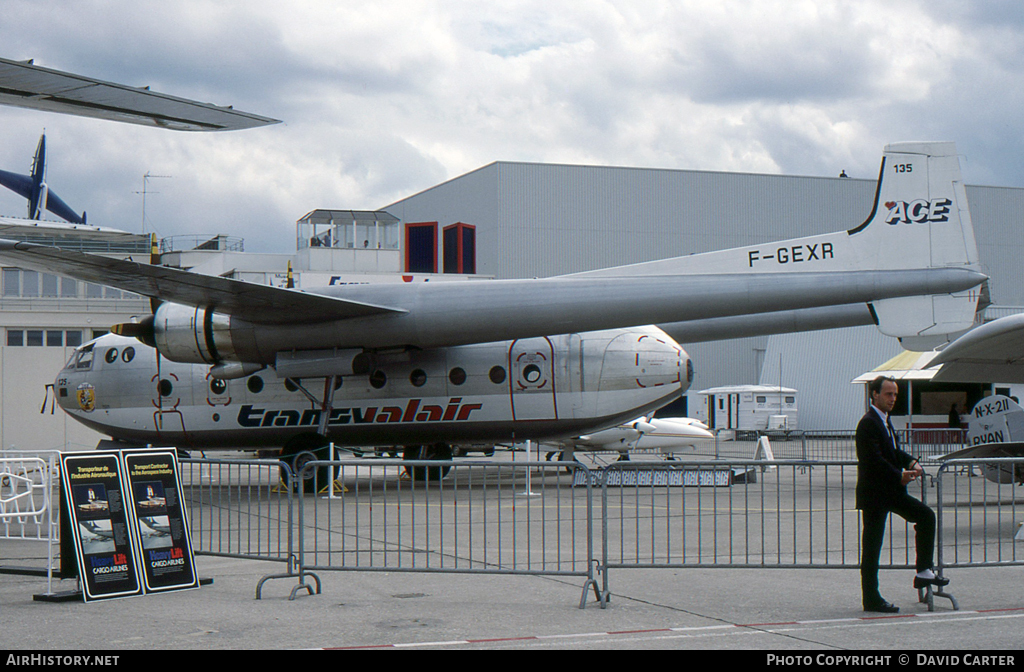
x=532, y=379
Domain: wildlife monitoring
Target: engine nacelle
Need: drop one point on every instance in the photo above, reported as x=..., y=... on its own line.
x=194, y=335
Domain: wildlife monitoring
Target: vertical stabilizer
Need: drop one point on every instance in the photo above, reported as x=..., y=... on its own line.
x=37, y=198
x=920, y=220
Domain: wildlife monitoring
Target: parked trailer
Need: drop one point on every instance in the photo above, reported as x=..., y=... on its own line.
x=750, y=408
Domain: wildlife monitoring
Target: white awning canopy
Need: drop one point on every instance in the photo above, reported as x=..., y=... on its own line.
x=907, y=365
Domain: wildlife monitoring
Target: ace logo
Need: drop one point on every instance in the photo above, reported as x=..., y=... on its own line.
x=918, y=212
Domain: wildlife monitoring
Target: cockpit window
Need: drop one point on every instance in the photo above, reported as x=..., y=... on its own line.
x=83, y=358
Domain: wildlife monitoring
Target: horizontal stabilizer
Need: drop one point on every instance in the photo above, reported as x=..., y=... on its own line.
x=19, y=184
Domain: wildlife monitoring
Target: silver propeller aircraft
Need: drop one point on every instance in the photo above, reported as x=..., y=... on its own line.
x=228, y=364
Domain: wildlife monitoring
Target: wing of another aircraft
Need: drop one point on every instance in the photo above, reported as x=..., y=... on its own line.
x=990, y=352
x=23, y=84
x=258, y=303
x=1009, y=449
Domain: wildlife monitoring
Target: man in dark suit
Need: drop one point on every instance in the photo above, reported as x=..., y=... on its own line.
x=883, y=472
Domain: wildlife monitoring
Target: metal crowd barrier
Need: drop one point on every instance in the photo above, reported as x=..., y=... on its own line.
x=980, y=512
x=482, y=518
x=739, y=513
x=27, y=505
x=841, y=444
x=539, y=518
x=240, y=509
x=932, y=442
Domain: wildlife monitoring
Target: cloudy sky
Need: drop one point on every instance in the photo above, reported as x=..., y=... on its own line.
x=383, y=99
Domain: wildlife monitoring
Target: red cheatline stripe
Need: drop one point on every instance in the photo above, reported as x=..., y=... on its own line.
x=695, y=628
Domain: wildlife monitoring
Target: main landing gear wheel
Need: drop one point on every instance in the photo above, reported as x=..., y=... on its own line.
x=299, y=452
x=436, y=451
x=562, y=456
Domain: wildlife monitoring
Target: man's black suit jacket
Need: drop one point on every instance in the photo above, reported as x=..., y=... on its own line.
x=880, y=464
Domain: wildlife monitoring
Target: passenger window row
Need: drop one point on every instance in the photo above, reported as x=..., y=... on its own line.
x=378, y=379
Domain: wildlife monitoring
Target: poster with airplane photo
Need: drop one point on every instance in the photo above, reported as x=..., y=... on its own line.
x=160, y=521
x=93, y=489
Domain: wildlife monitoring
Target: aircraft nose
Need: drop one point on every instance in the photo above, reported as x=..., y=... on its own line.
x=659, y=361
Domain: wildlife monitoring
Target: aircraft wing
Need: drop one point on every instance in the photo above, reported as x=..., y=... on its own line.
x=23, y=84
x=1009, y=449
x=990, y=352
x=256, y=303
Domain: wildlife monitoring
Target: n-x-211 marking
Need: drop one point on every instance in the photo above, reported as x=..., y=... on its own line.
x=794, y=254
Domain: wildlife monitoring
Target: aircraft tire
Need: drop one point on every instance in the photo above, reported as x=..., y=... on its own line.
x=302, y=450
x=561, y=455
x=435, y=451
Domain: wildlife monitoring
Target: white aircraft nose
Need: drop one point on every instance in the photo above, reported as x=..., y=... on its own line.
x=683, y=429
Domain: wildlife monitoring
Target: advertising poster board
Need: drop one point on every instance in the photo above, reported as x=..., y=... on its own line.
x=159, y=521
x=94, y=492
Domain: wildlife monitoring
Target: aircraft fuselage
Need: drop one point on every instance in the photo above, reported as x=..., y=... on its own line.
x=535, y=388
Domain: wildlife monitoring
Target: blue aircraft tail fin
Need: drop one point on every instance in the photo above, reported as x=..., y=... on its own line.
x=34, y=189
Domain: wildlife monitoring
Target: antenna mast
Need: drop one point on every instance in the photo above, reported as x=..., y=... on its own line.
x=145, y=189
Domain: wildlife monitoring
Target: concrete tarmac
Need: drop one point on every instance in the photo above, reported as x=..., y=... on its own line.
x=774, y=611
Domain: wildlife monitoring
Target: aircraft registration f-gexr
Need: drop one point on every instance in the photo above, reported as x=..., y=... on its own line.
x=442, y=364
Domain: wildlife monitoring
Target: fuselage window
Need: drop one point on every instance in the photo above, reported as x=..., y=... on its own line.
x=290, y=385
x=128, y=354
x=164, y=387
x=497, y=375
x=218, y=386
x=531, y=373
x=255, y=384
x=457, y=376
x=378, y=379
x=418, y=378
x=111, y=355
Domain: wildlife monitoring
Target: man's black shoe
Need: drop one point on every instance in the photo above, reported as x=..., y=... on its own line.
x=882, y=607
x=934, y=581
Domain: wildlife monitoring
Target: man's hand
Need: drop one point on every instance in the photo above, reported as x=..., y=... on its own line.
x=913, y=473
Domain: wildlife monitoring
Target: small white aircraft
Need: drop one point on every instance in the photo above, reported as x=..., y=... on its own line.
x=665, y=435
x=995, y=429
x=229, y=364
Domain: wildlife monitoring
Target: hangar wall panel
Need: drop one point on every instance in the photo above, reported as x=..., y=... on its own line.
x=471, y=199
x=998, y=217
x=535, y=220
x=820, y=365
